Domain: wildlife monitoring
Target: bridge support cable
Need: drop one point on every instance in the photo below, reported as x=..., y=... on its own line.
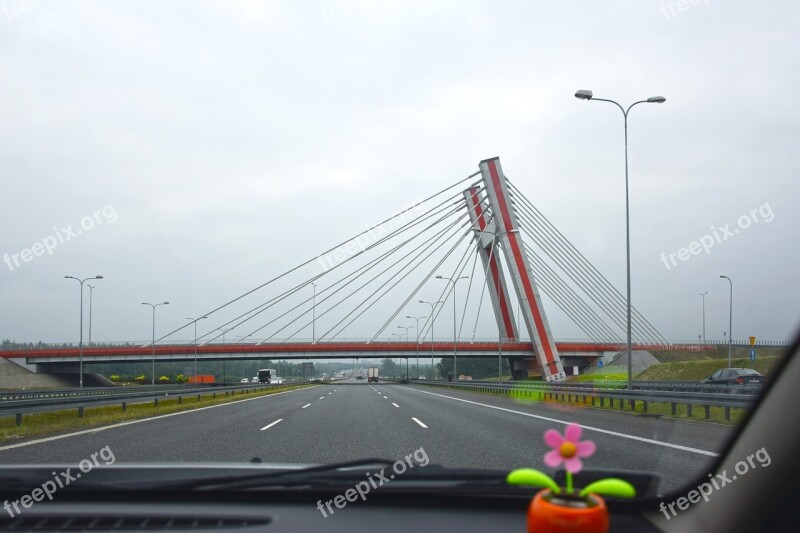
x=610, y=305
x=441, y=236
x=320, y=256
x=412, y=293
x=449, y=204
x=569, y=302
x=575, y=257
x=344, y=282
x=583, y=278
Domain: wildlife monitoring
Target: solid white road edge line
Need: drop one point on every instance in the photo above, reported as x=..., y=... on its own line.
x=588, y=428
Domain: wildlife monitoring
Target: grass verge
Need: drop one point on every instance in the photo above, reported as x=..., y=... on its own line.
x=56, y=422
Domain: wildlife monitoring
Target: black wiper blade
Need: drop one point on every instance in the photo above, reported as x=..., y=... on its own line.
x=302, y=476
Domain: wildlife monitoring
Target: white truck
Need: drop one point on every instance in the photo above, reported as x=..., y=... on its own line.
x=372, y=374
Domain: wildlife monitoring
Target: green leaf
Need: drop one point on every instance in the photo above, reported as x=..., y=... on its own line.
x=610, y=487
x=532, y=478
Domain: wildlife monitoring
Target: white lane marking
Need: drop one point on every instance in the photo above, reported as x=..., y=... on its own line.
x=385, y=397
x=588, y=428
x=306, y=405
x=129, y=422
x=418, y=422
x=322, y=397
x=330, y=393
x=270, y=425
x=395, y=404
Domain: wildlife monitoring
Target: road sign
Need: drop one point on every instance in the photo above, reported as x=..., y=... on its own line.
x=752, y=353
x=752, y=341
x=600, y=364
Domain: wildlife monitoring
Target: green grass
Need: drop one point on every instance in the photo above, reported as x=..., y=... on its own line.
x=55, y=422
x=699, y=370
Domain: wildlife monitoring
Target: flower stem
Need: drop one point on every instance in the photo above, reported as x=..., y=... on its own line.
x=569, y=482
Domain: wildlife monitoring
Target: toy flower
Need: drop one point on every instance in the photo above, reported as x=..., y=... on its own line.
x=567, y=449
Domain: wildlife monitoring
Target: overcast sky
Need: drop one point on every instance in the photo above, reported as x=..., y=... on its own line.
x=218, y=144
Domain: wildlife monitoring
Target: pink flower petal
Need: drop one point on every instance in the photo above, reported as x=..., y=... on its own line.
x=553, y=459
x=553, y=438
x=573, y=433
x=573, y=465
x=586, y=448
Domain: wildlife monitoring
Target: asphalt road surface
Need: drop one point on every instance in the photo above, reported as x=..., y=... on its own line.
x=354, y=419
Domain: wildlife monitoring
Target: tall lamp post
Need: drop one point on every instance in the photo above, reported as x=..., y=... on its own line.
x=417, y=318
x=91, y=295
x=153, y=306
x=703, y=295
x=194, y=321
x=314, y=314
x=730, y=322
x=455, y=354
x=433, y=319
x=80, y=356
x=406, y=328
x=587, y=95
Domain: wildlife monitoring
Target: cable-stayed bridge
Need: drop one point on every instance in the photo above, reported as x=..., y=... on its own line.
x=476, y=249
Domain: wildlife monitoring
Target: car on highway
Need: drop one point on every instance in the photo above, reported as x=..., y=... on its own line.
x=359, y=377
x=244, y=380
x=735, y=376
x=422, y=378
x=254, y=379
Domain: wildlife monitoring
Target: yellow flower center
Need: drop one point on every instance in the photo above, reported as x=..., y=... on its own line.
x=568, y=449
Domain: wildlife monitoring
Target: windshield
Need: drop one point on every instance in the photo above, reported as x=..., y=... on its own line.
x=306, y=233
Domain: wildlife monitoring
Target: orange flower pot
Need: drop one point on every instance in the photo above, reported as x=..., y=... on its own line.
x=561, y=513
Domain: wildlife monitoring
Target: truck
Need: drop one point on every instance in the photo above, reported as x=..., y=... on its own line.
x=265, y=375
x=372, y=374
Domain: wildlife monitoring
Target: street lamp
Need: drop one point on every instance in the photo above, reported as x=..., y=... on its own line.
x=587, y=95
x=703, y=295
x=80, y=356
x=730, y=322
x=153, y=306
x=495, y=237
x=194, y=321
x=433, y=319
x=417, y=319
x=314, y=314
x=406, y=328
x=455, y=355
x=91, y=294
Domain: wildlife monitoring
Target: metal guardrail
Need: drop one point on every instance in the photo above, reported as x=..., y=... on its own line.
x=593, y=396
x=59, y=403
x=678, y=386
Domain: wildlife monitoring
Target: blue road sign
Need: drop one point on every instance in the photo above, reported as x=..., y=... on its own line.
x=752, y=354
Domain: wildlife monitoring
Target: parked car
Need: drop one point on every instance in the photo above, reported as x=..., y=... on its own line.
x=735, y=376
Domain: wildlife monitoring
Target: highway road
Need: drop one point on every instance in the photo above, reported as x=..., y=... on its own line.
x=353, y=420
